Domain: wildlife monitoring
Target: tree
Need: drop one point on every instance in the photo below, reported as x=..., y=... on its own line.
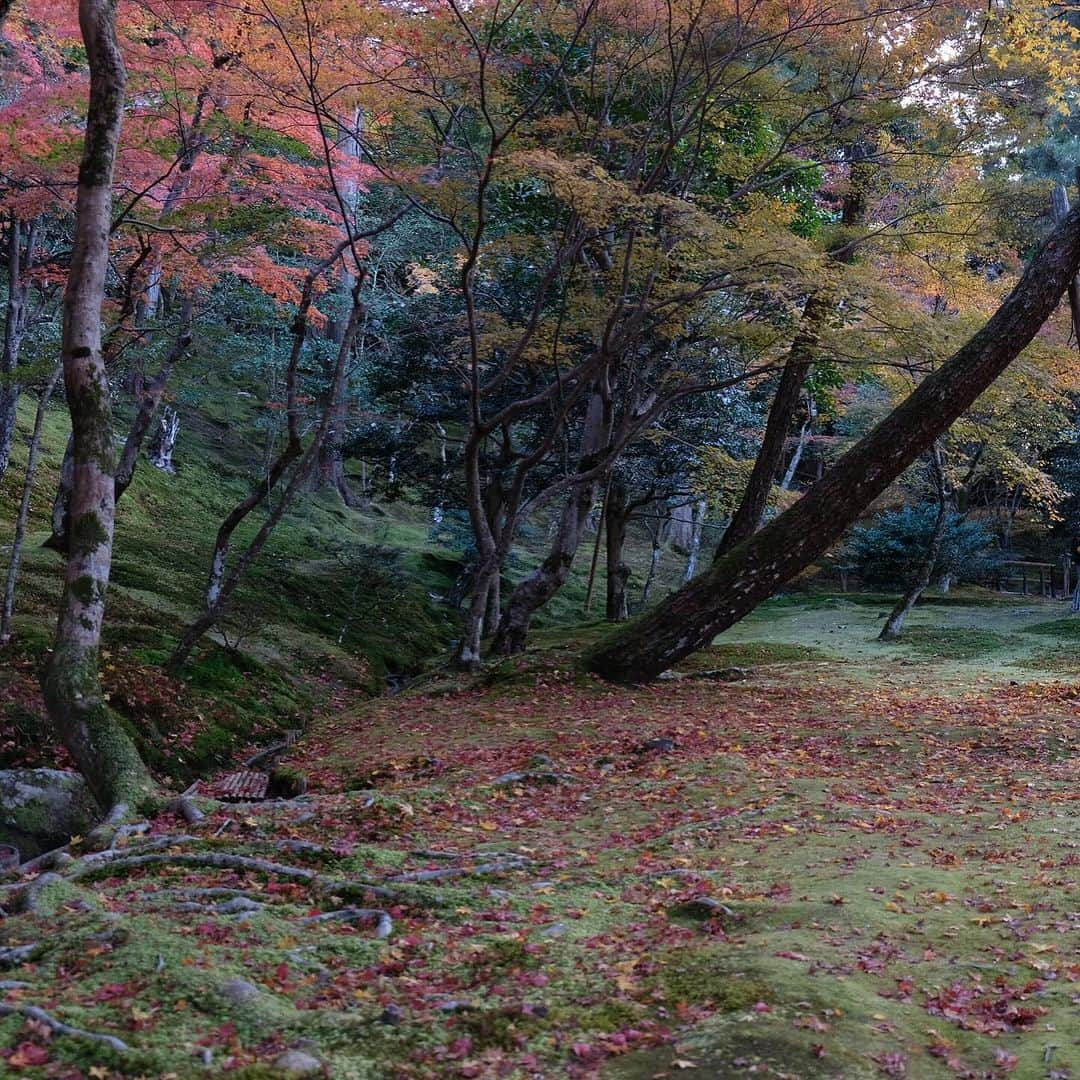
x=689, y=619
x=91, y=732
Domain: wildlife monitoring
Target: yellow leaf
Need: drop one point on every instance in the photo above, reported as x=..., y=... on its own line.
x=489, y=826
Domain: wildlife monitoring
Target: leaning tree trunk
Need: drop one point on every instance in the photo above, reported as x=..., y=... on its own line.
x=532, y=593
x=690, y=618
x=24, y=507
x=93, y=735
x=800, y=360
x=894, y=624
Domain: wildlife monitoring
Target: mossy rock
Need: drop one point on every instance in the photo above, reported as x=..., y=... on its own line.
x=44, y=808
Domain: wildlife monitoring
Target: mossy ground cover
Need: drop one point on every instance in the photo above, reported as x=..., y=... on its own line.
x=830, y=871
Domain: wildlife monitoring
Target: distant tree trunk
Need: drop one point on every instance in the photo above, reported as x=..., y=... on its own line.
x=616, y=518
x=699, y=510
x=654, y=566
x=800, y=447
x=24, y=506
x=93, y=735
x=894, y=624
x=750, y=573
x=163, y=445
x=20, y=257
x=221, y=585
x=545, y=581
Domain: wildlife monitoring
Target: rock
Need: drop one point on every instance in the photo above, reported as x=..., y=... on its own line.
x=297, y=1063
x=239, y=991
x=44, y=808
x=391, y=1015
x=654, y=746
x=728, y=674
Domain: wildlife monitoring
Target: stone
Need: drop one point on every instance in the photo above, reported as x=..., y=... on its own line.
x=44, y=808
x=297, y=1063
x=239, y=991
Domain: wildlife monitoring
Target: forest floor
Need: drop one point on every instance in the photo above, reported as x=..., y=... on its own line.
x=860, y=860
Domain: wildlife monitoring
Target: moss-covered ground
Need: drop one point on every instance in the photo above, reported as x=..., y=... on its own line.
x=859, y=861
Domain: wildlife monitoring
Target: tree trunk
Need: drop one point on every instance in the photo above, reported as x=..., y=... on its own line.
x=163, y=445
x=150, y=396
x=894, y=624
x=699, y=510
x=24, y=507
x=548, y=578
x=618, y=573
x=20, y=257
x=654, y=566
x=221, y=586
x=770, y=457
x=689, y=619
x=93, y=735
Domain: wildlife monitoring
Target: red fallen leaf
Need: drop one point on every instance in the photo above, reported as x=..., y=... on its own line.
x=788, y=955
x=586, y=1051
x=460, y=1048
x=28, y=1055
x=762, y=1007
x=1004, y=1060
x=893, y=1063
x=817, y=1049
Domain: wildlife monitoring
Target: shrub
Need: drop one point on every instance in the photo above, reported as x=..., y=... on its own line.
x=890, y=551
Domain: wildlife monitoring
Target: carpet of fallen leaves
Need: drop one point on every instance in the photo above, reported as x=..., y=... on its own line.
x=803, y=874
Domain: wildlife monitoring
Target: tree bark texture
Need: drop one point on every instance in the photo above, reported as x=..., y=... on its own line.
x=93, y=735
x=690, y=618
x=20, y=257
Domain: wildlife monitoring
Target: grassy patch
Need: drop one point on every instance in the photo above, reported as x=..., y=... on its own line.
x=954, y=643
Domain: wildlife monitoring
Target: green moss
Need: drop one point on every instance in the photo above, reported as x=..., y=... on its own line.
x=705, y=976
x=954, y=643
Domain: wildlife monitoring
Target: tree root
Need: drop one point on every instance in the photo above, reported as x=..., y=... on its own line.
x=383, y=929
x=227, y=861
x=444, y=873
x=14, y=955
x=32, y=1012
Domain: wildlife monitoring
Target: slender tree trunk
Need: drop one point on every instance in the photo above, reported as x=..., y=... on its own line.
x=700, y=507
x=894, y=624
x=690, y=618
x=800, y=360
x=24, y=506
x=654, y=567
x=545, y=581
x=221, y=586
x=93, y=735
x=796, y=457
x=163, y=445
x=618, y=573
x=20, y=257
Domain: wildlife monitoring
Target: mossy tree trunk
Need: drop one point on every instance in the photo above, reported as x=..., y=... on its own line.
x=751, y=572
x=93, y=735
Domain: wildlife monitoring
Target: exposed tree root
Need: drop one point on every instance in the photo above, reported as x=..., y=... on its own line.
x=14, y=955
x=445, y=873
x=383, y=929
x=32, y=1012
